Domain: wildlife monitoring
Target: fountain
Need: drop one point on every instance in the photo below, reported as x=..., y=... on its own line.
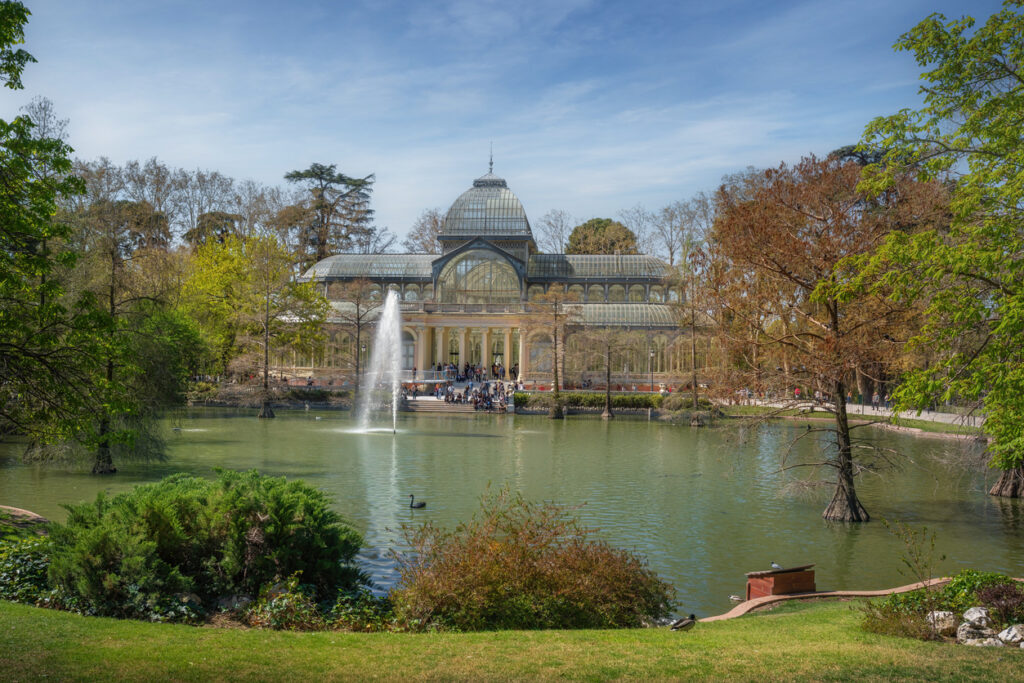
x=385, y=363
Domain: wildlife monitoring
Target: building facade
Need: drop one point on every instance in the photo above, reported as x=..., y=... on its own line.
x=475, y=302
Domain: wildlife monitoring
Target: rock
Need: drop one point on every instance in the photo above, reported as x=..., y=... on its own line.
x=984, y=642
x=966, y=634
x=190, y=599
x=234, y=603
x=978, y=617
x=1013, y=635
x=944, y=623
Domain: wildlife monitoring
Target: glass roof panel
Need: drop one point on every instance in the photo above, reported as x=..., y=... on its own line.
x=595, y=266
x=373, y=266
x=633, y=315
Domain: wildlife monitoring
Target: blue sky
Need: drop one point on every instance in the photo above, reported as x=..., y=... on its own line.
x=592, y=106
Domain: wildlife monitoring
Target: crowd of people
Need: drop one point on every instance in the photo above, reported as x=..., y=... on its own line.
x=493, y=395
x=476, y=373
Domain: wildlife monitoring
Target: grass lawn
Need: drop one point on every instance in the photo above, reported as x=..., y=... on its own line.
x=819, y=641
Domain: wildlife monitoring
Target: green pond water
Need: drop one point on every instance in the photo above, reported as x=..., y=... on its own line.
x=703, y=505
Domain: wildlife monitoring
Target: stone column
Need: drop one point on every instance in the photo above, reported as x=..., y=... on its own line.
x=506, y=351
x=442, y=344
x=485, y=349
x=463, y=340
x=421, y=356
x=524, y=354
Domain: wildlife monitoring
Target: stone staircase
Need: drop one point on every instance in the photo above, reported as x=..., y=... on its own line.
x=432, y=405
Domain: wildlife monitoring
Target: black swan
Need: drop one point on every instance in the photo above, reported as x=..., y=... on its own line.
x=413, y=504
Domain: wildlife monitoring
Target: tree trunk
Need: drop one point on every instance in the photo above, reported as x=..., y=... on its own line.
x=265, y=410
x=845, y=506
x=104, y=463
x=1010, y=484
x=556, y=412
x=607, y=414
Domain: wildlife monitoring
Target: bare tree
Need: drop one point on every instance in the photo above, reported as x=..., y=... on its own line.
x=641, y=221
x=359, y=301
x=422, y=238
x=45, y=123
x=554, y=228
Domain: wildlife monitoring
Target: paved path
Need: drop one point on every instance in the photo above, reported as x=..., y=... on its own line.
x=751, y=605
x=870, y=413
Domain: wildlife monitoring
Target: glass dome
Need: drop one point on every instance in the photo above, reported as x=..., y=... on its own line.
x=489, y=209
x=478, y=276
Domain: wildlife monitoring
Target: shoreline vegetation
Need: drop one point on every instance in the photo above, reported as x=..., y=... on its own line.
x=801, y=641
x=641, y=405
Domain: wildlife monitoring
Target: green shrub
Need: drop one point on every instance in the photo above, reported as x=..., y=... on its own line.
x=679, y=401
x=572, y=399
x=288, y=607
x=961, y=593
x=23, y=566
x=519, y=565
x=137, y=554
x=904, y=614
x=360, y=610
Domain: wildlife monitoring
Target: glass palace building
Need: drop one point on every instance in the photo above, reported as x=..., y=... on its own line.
x=471, y=303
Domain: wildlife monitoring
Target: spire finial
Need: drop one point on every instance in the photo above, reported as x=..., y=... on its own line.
x=490, y=167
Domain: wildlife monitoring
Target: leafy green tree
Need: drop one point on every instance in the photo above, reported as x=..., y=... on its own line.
x=969, y=131
x=601, y=236
x=48, y=343
x=246, y=300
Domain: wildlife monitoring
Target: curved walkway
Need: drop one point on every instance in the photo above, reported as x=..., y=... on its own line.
x=751, y=605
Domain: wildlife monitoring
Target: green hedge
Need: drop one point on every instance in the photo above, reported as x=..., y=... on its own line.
x=577, y=399
x=137, y=554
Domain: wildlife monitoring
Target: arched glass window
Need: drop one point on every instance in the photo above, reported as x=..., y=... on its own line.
x=637, y=294
x=540, y=353
x=535, y=291
x=412, y=292
x=375, y=294
x=657, y=294
x=408, y=350
x=595, y=294
x=617, y=294
x=428, y=292
x=673, y=295
x=576, y=292
x=478, y=277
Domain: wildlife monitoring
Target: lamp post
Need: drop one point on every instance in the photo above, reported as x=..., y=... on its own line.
x=650, y=364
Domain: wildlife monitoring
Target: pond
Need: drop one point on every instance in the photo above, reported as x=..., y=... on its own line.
x=703, y=505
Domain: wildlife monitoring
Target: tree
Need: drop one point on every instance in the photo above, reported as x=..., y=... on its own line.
x=971, y=275
x=245, y=298
x=45, y=123
x=422, y=237
x=553, y=231
x=118, y=239
x=601, y=236
x=554, y=311
x=641, y=221
x=214, y=226
x=49, y=342
x=777, y=252
x=601, y=344
x=359, y=302
x=338, y=204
